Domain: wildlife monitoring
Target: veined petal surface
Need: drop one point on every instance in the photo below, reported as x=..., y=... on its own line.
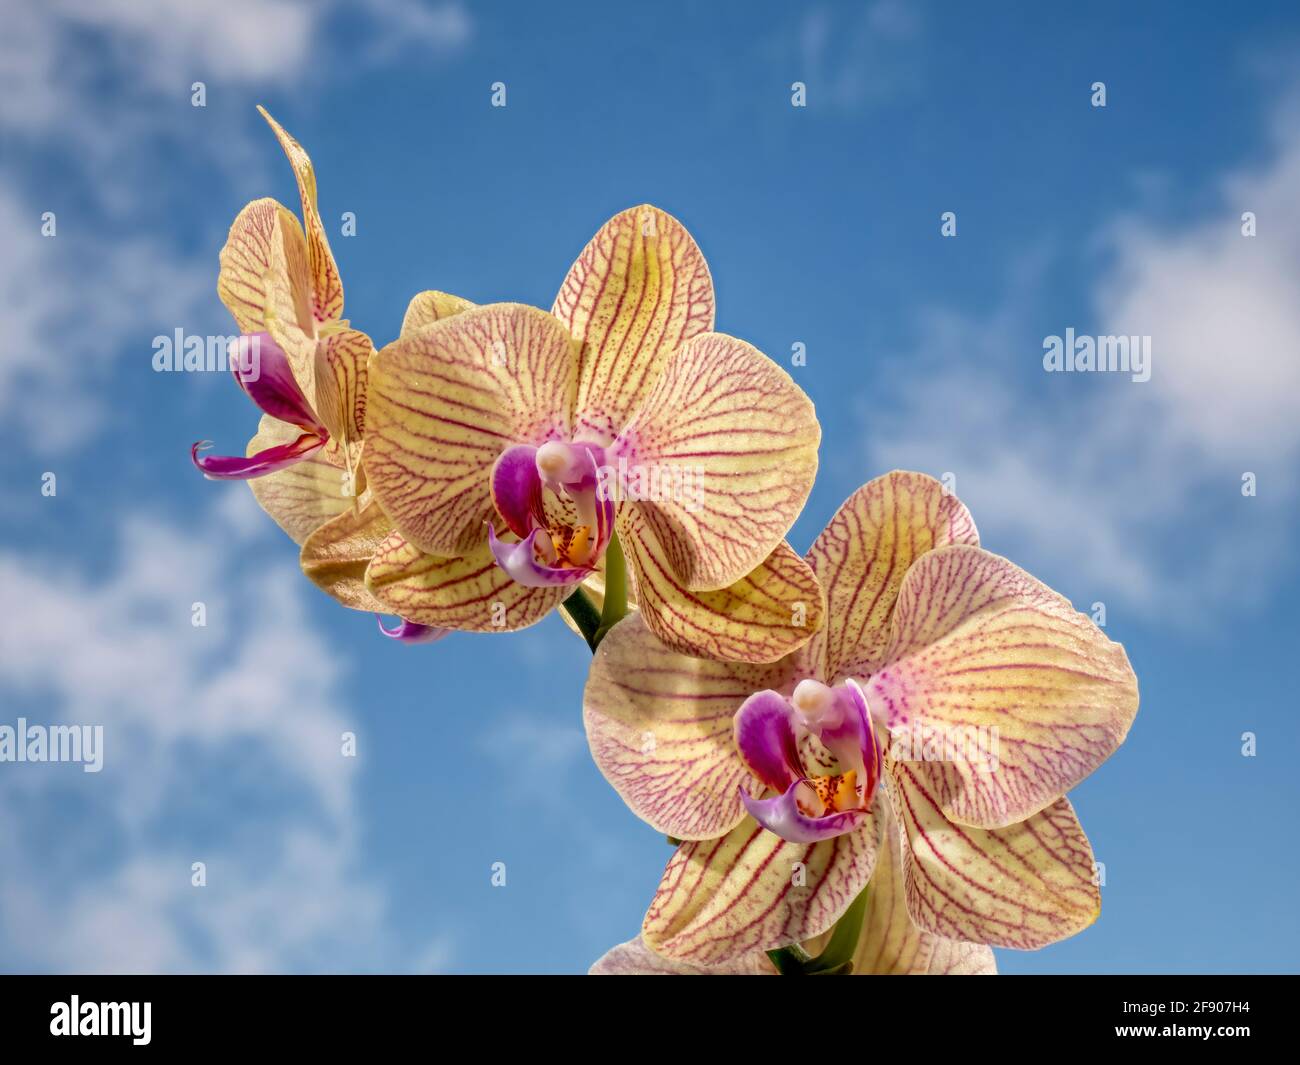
x=301, y=497
x=341, y=369
x=724, y=419
x=890, y=943
x=634, y=958
x=639, y=290
x=659, y=725
x=865, y=551
x=335, y=556
x=1023, y=886
x=1026, y=694
x=767, y=614
x=470, y=593
x=326, y=285
x=247, y=261
x=722, y=899
x=288, y=301
x=431, y=306
x=445, y=401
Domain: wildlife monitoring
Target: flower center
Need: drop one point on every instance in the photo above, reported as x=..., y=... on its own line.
x=550, y=498
x=567, y=533
x=818, y=796
x=832, y=731
x=816, y=749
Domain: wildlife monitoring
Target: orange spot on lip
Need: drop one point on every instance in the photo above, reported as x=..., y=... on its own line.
x=837, y=793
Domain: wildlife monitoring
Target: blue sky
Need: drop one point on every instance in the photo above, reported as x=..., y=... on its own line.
x=822, y=227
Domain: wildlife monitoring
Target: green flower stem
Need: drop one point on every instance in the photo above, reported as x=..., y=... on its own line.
x=583, y=613
x=844, y=940
x=615, y=590
x=837, y=958
x=791, y=960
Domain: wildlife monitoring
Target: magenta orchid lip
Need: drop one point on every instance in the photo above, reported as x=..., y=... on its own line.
x=412, y=632
x=269, y=382
x=550, y=499
x=771, y=731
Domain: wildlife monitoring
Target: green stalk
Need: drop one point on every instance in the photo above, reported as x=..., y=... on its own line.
x=844, y=940
x=837, y=958
x=583, y=613
x=791, y=960
x=615, y=590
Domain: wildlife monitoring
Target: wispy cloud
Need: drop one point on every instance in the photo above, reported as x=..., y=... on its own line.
x=95, y=96
x=1107, y=484
x=222, y=745
x=860, y=58
x=72, y=305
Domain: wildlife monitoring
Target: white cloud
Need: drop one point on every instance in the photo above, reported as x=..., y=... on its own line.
x=222, y=744
x=173, y=42
x=96, y=93
x=861, y=59
x=72, y=304
x=163, y=46
x=1111, y=489
x=407, y=25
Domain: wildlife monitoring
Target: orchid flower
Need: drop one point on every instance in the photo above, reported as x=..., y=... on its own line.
x=849, y=762
x=308, y=367
x=304, y=366
x=516, y=452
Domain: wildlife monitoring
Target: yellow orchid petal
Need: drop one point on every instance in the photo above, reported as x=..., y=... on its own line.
x=287, y=302
x=721, y=899
x=341, y=370
x=326, y=285
x=659, y=725
x=1021, y=695
x=763, y=617
x=890, y=943
x=445, y=401
x=639, y=290
x=431, y=306
x=1023, y=886
x=634, y=958
x=471, y=593
x=336, y=555
x=246, y=261
x=865, y=551
x=726, y=447
x=951, y=957
x=302, y=497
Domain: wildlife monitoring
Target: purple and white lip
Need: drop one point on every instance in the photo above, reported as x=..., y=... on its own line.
x=550, y=551
x=771, y=731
